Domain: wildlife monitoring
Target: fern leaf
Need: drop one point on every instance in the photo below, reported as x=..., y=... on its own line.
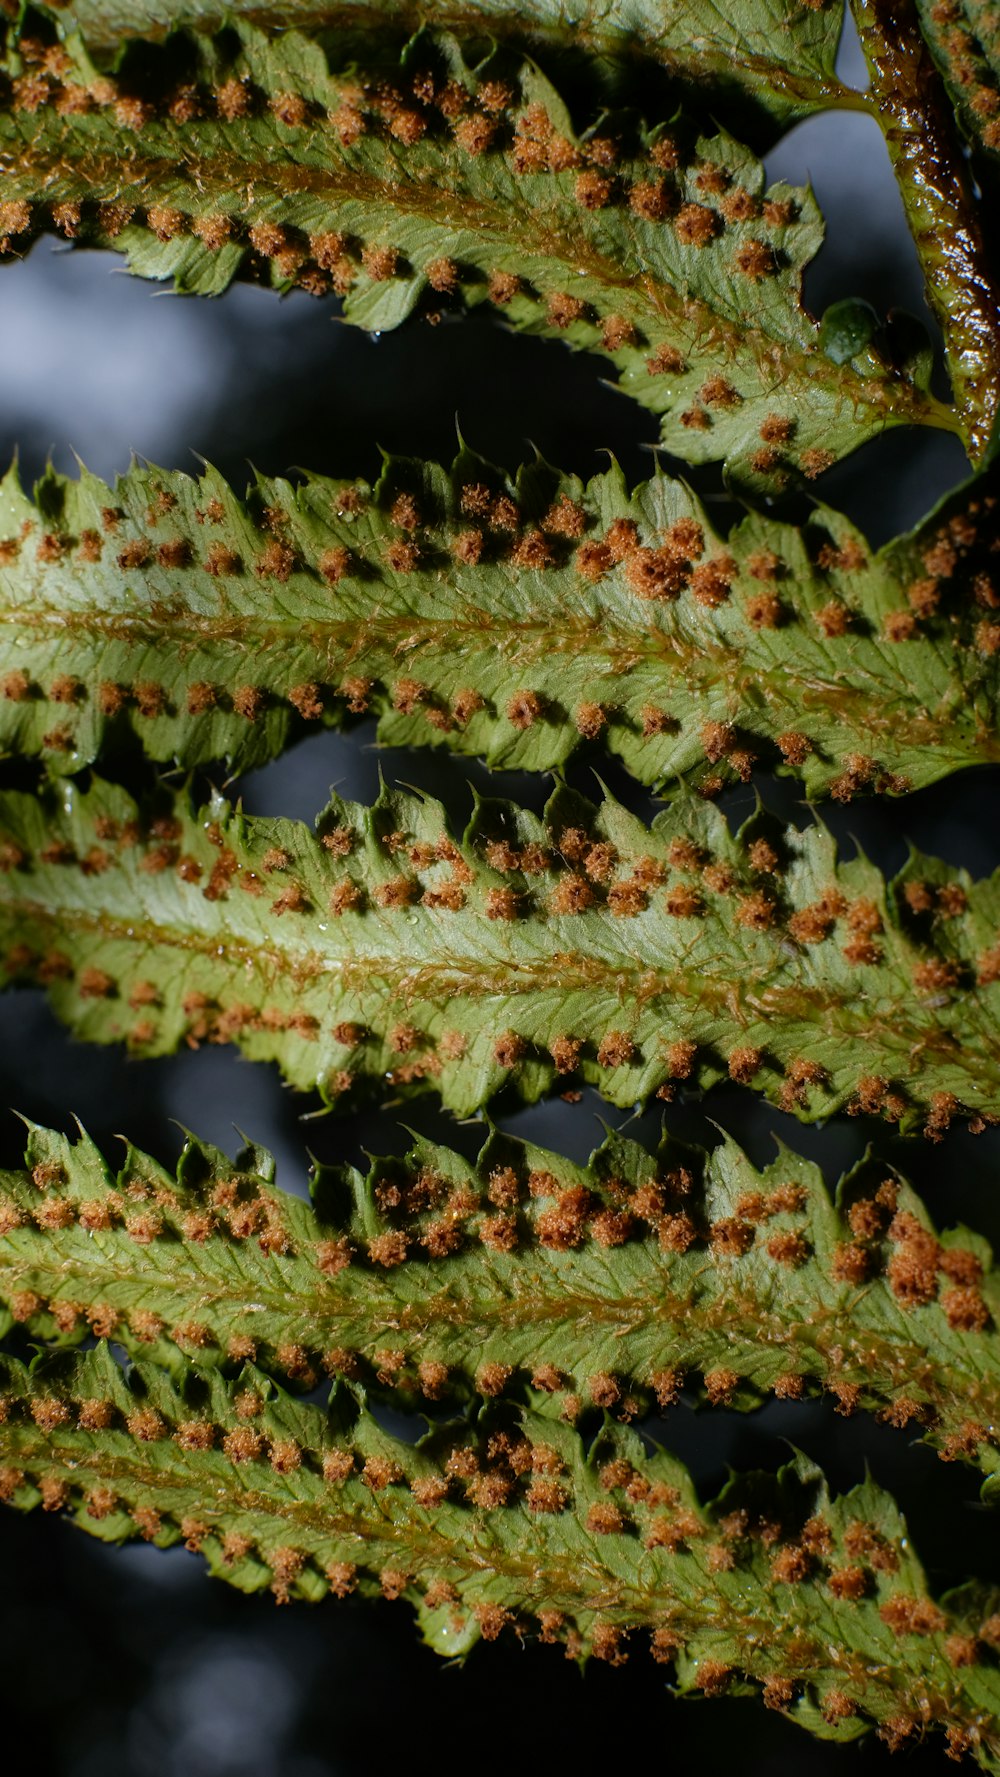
x=584, y=946
x=212, y=628
x=701, y=49
x=965, y=41
x=438, y=1276
x=520, y=1527
x=660, y=249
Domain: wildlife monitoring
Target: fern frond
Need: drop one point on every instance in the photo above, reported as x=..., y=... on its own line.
x=782, y=61
x=821, y=1601
x=619, y=1282
x=429, y=178
x=212, y=628
x=583, y=946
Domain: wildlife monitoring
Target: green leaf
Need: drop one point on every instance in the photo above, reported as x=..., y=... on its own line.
x=780, y=56
x=442, y=183
x=214, y=628
x=820, y=1601
x=437, y=1276
x=579, y=947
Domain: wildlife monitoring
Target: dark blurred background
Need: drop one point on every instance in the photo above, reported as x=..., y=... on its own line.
x=130, y=1663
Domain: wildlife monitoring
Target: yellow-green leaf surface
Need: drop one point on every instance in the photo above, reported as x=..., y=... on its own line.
x=516, y=1526
x=619, y=1282
x=508, y=618
x=780, y=53
x=581, y=946
x=431, y=181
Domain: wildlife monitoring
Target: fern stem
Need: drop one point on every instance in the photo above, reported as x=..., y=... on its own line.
x=909, y=103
